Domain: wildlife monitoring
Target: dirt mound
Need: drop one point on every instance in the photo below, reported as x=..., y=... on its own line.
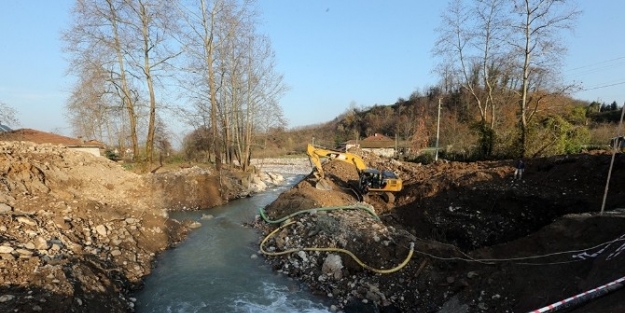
x=483, y=241
x=304, y=195
x=78, y=233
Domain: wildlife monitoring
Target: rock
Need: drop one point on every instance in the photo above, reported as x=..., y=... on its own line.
x=471, y=274
x=195, y=225
x=6, y=249
x=24, y=252
x=302, y=255
x=5, y=208
x=453, y=305
x=332, y=266
x=101, y=230
x=5, y=298
x=26, y=220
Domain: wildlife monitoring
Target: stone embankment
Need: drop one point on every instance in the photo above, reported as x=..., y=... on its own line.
x=284, y=165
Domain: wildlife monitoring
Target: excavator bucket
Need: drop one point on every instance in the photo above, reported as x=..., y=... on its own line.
x=323, y=184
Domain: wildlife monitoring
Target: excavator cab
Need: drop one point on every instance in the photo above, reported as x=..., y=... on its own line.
x=374, y=180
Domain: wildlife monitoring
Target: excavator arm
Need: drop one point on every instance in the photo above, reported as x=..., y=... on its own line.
x=316, y=153
x=315, y=161
x=370, y=180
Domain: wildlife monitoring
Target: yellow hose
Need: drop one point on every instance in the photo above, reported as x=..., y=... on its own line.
x=380, y=271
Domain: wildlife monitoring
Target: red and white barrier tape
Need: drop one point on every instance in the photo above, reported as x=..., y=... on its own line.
x=578, y=297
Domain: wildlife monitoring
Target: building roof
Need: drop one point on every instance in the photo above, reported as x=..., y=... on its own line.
x=93, y=142
x=36, y=136
x=376, y=141
x=377, y=137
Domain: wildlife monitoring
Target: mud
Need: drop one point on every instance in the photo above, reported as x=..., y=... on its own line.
x=483, y=242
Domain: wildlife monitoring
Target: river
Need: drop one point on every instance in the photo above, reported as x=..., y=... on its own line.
x=213, y=269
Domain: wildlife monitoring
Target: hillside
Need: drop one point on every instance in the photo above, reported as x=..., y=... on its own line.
x=415, y=125
x=482, y=241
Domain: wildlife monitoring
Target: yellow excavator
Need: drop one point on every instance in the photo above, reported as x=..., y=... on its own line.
x=370, y=180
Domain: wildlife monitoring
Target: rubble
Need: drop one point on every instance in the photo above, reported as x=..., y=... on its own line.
x=78, y=233
x=483, y=242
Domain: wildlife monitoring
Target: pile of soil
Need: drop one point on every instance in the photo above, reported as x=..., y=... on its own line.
x=78, y=233
x=483, y=242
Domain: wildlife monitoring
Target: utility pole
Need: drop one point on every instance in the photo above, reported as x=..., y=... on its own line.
x=396, y=149
x=617, y=146
x=438, y=127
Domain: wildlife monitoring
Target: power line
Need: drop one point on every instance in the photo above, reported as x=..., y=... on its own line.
x=595, y=64
x=603, y=86
x=600, y=68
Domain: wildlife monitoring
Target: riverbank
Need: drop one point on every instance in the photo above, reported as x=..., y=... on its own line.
x=461, y=237
x=78, y=233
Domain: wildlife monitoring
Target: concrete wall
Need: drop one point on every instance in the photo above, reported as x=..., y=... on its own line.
x=384, y=152
x=93, y=150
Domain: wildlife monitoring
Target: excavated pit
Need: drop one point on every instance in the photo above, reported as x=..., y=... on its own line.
x=457, y=212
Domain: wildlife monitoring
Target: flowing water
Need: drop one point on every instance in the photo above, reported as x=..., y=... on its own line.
x=213, y=271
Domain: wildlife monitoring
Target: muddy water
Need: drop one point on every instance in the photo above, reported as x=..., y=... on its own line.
x=213, y=271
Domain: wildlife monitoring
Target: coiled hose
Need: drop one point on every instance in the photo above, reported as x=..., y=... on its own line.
x=354, y=257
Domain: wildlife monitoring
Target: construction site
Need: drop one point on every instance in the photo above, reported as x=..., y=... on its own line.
x=79, y=230
x=458, y=237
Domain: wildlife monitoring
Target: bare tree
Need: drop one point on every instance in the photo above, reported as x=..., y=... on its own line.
x=538, y=46
x=235, y=82
x=129, y=99
x=126, y=42
x=199, y=35
x=92, y=109
x=471, y=43
x=263, y=89
x=7, y=114
x=152, y=22
x=97, y=30
x=493, y=48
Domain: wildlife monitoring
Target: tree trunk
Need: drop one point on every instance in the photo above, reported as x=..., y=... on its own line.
x=127, y=100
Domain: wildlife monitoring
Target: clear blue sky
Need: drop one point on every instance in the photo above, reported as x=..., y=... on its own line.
x=331, y=53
